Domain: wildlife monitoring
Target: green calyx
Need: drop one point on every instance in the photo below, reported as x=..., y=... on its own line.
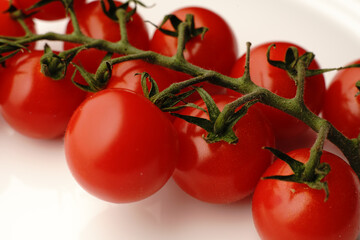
x=34, y=8
x=299, y=172
x=357, y=85
x=292, y=59
x=168, y=101
x=53, y=65
x=99, y=80
x=220, y=125
x=175, y=23
x=112, y=9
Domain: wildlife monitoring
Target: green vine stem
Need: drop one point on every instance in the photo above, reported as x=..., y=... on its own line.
x=243, y=85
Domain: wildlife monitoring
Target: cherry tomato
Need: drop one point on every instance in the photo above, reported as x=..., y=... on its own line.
x=51, y=11
x=123, y=75
x=94, y=23
x=288, y=210
x=120, y=147
x=278, y=81
x=9, y=26
x=33, y=104
x=216, y=51
x=341, y=106
x=221, y=172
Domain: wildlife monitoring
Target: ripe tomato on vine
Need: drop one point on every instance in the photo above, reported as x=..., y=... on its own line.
x=33, y=104
x=94, y=23
x=222, y=172
x=116, y=154
x=342, y=102
x=279, y=82
x=217, y=50
x=288, y=210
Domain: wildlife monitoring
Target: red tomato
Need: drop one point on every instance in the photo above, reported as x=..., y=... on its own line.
x=94, y=23
x=278, y=81
x=341, y=107
x=120, y=147
x=123, y=75
x=287, y=210
x=33, y=104
x=9, y=26
x=206, y=52
x=222, y=172
x=51, y=11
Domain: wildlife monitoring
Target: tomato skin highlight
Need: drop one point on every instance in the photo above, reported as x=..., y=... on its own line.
x=94, y=23
x=278, y=81
x=217, y=51
x=120, y=147
x=286, y=210
x=33, y=104
x=222, y=172
x=341, y=106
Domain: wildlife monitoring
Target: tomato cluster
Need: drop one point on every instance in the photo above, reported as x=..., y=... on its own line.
x=121, y=147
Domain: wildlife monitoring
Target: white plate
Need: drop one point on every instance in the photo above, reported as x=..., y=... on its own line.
x=40, y=200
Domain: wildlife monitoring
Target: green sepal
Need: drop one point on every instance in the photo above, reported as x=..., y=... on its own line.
x=99, y=80
x=41, y=3
x=201, y=122
x=52, y=65
x=15, y=13
x=177, y=108
x=95, y=82
x=4, y=58
x=216, y=131
x=298, y=169
x=357, y=85
x=224, y=124
x=291, y=60
x=211, y=106
x=175, y=22
x=278, y=64
x=234, y=118
x=88, y=77
x=166, y=102
x=227, y=135
x=169, y=103
x=154, y=89
x=111, y=12
x=296, y=166
x=176, y=102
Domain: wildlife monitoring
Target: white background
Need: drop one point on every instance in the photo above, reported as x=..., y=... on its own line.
x=40, y=200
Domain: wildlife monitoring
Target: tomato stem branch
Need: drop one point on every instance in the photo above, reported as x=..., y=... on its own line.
x=122, y=19
x=244, y=85
x=74, y=21
x=300, y=82
x=316, y=152
x=182, y=39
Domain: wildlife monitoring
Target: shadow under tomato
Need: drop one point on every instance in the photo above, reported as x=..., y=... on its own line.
x=184, y=217
x=172, y=214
